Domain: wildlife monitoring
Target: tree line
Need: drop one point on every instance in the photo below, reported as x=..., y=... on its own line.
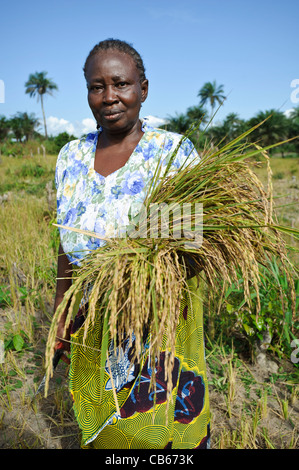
x=24, y=127
x=277, y=126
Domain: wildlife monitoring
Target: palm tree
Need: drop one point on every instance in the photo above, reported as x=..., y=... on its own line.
x=16, y=125
x=294, y=114
x=273, y=130
x=293, y=126
x=29, y=124
x=212, y=93
x=178, y=123
x=39, y=85
x=234, y=125
x=196, y=113
x=4, y=128
x=23, y=125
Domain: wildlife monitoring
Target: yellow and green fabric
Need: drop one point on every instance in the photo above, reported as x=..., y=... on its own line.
x=141, y=422
x=89, y=201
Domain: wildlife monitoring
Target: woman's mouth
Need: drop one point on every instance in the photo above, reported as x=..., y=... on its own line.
x=112, y=116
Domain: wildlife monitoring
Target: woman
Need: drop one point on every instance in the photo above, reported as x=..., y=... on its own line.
x=99, y=178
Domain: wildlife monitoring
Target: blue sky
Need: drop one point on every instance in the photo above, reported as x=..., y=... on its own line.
x=250, y=47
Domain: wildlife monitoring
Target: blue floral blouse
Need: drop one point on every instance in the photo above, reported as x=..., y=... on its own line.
x=89, y=201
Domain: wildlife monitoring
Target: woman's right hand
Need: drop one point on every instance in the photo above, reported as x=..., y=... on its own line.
x=64, y=281
x=63, y=341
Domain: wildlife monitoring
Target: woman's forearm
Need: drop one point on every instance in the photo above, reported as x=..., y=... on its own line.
x=63, y=283
x=64, y=277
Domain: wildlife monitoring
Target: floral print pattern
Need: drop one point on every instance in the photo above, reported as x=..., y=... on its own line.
x=140, y=398
x=90, y=201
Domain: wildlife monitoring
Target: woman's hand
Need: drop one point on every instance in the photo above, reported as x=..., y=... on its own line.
x=64, y=281
x=63, y=341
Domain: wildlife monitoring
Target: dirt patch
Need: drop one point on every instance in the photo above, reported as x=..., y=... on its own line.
x=257, y=409
x=39, y=423
x=43, y=423
x=252, y=405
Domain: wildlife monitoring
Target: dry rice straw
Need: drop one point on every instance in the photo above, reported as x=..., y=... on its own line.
x=137, y=284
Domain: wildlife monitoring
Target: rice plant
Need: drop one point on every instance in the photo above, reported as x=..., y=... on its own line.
x=135, y=284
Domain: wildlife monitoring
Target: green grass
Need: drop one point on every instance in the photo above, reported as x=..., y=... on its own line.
x=250, y=408
x=28, y=176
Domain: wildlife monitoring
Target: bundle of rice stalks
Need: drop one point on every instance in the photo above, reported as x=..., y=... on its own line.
x=136, y=283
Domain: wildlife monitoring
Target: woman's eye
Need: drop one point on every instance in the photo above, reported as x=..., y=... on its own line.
x=95, y=88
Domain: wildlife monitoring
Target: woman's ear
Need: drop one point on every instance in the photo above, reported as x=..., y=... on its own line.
x=144, y=90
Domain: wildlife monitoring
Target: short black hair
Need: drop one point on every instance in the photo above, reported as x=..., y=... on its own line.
x=121, y=46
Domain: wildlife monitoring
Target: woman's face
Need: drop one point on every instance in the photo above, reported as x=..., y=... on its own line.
x=115, y=92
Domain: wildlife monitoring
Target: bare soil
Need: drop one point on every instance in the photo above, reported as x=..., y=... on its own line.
x=252, y=418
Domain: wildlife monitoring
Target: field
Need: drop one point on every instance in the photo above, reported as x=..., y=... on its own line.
x=253, y=392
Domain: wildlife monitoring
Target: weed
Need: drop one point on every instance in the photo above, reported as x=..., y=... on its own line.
x=31, y=170
x=242, y=406
x=274, y=320
x=5, y=297
x=279, y=175
x=17, y=342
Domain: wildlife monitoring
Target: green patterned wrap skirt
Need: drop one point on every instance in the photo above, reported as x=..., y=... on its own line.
x=143, y=419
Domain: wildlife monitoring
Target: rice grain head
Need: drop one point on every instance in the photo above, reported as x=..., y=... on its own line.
x=136, y=285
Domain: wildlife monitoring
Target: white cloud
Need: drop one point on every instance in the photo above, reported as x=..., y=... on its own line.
x=88, y=125
x=57, y=125
x=288, y=112
x=155, y=121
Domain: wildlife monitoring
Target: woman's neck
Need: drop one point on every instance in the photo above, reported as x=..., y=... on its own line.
x=108, y=138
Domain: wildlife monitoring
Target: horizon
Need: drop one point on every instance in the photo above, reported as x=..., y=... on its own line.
x=250, y=49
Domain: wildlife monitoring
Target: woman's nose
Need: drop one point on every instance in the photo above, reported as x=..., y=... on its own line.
x=110, y=95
